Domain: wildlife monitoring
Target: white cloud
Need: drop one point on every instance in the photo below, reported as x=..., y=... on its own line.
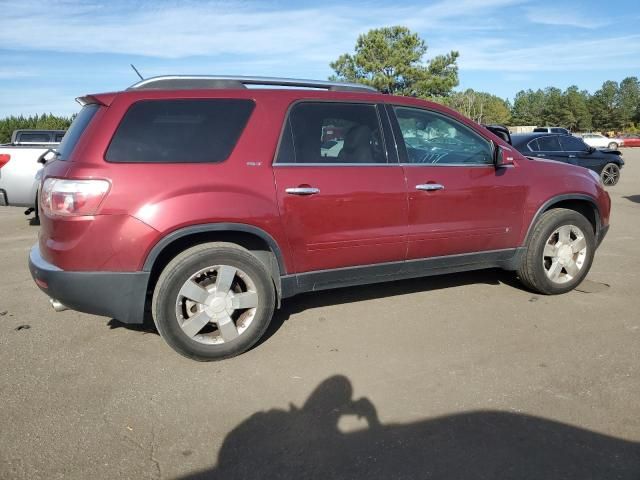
x=171, y=30
x=567, y=17
x=568, y=55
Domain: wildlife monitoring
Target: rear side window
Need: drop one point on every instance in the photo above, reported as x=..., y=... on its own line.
x=332, y=133
x=75, y=131
x=179, y=131
x=34, y=138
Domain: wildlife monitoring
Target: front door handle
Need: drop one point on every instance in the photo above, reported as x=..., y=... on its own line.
x=302, y=190
x=429, y=187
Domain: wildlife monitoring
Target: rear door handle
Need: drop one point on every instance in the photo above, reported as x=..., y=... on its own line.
x=572, y=156
x=302, y=190
x=429, y=187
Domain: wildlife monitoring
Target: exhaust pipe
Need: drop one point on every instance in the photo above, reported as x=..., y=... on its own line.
x=57, y=306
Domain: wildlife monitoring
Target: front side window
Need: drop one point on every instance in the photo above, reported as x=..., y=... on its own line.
x=431, y=138
x=549, y=144
x=572, y=144
x=179, y=131
x=330, y=133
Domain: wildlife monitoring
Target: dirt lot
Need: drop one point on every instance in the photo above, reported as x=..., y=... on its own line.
x=462, y=376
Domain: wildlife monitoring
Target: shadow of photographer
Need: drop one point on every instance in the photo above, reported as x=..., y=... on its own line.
x=307, y=443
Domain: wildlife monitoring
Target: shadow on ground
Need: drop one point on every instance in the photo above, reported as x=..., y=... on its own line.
x=633, y=198
x=307, y=443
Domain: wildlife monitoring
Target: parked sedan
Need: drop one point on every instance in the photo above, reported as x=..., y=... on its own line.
x=570, y=149
x=631, y=140
x=600, y=141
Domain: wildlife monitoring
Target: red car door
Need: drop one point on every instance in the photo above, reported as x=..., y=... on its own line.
x=342, y=198
x=458, y=201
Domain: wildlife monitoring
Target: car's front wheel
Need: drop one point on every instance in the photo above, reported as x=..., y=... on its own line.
x=559, y=253
x=213, y=301
x=610, y=174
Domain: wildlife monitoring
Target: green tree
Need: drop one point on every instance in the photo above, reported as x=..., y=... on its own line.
x=481, y=107
x=528, y=107
x=391, y=59
x=44, y=121
x=576, y=102
x=604, y=108
x=628, y=102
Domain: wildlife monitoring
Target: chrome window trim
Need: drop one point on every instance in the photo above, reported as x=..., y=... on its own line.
x=322, y=164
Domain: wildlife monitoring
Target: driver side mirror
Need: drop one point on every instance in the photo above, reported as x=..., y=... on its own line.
x=503, y=156
x=591, y=149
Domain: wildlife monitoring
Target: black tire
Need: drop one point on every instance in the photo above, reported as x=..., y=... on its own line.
x=612, y=146
x=186, y=264
x=532, y=272
x=610, y=174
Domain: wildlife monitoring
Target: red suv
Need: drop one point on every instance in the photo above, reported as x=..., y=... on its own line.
x=206, y=203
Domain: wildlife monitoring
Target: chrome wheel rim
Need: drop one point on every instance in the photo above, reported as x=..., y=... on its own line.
x=610, y=175
x=216, y=304
x=565, y=252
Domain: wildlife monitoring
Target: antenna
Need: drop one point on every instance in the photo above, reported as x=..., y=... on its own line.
x=136, y=70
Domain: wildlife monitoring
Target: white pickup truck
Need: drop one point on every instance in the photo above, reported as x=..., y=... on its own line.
x=19, y=165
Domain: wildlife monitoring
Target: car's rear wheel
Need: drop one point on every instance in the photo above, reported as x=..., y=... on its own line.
x=610, y=174
x=613, y=146
x=559, y=252
x=213, y=301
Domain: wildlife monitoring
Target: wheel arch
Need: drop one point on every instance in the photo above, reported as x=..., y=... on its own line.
x=254, y=239
x=583, y=204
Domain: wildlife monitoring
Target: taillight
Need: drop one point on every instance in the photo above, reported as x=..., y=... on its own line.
x=72, y=198
x=4, y=159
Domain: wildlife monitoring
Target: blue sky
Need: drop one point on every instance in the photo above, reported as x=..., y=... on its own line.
x=52, y=51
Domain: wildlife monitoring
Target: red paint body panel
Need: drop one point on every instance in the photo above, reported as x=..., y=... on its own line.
x=480, y=208
x=358, y=218
x=362, y=215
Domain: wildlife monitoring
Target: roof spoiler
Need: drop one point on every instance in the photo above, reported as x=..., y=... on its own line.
x=103, y=99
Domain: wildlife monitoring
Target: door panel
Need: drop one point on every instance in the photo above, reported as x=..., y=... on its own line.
x=458, y=201
x=353, y=206
x=359, y=216
x=479, y=208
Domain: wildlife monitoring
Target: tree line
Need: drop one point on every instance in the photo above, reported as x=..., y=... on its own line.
x=391, y=59
x=46, y=121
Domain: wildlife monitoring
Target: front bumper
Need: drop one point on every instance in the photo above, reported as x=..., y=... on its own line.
x=119, y=295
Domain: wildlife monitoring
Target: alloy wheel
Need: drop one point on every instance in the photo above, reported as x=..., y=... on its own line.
x=216, y=304
x=564, y=255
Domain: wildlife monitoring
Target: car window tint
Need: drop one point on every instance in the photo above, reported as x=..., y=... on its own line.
x=34, y=138
x=78, y=126
x=179, y=131
x=432, y=138
x=59, y=137
x=533, y=145
x=549, y=144
x=572, y=144
x=327, y=132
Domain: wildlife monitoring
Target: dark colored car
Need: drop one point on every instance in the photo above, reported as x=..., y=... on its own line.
x=206, y=204
x=573, y=150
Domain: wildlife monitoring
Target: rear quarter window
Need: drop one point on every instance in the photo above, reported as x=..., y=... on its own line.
x=179, y=131
x=79, y=125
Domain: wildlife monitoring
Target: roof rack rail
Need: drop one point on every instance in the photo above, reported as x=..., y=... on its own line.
x=194, y=82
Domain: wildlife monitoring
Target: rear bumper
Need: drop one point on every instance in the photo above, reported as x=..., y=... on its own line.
x=119, y=295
